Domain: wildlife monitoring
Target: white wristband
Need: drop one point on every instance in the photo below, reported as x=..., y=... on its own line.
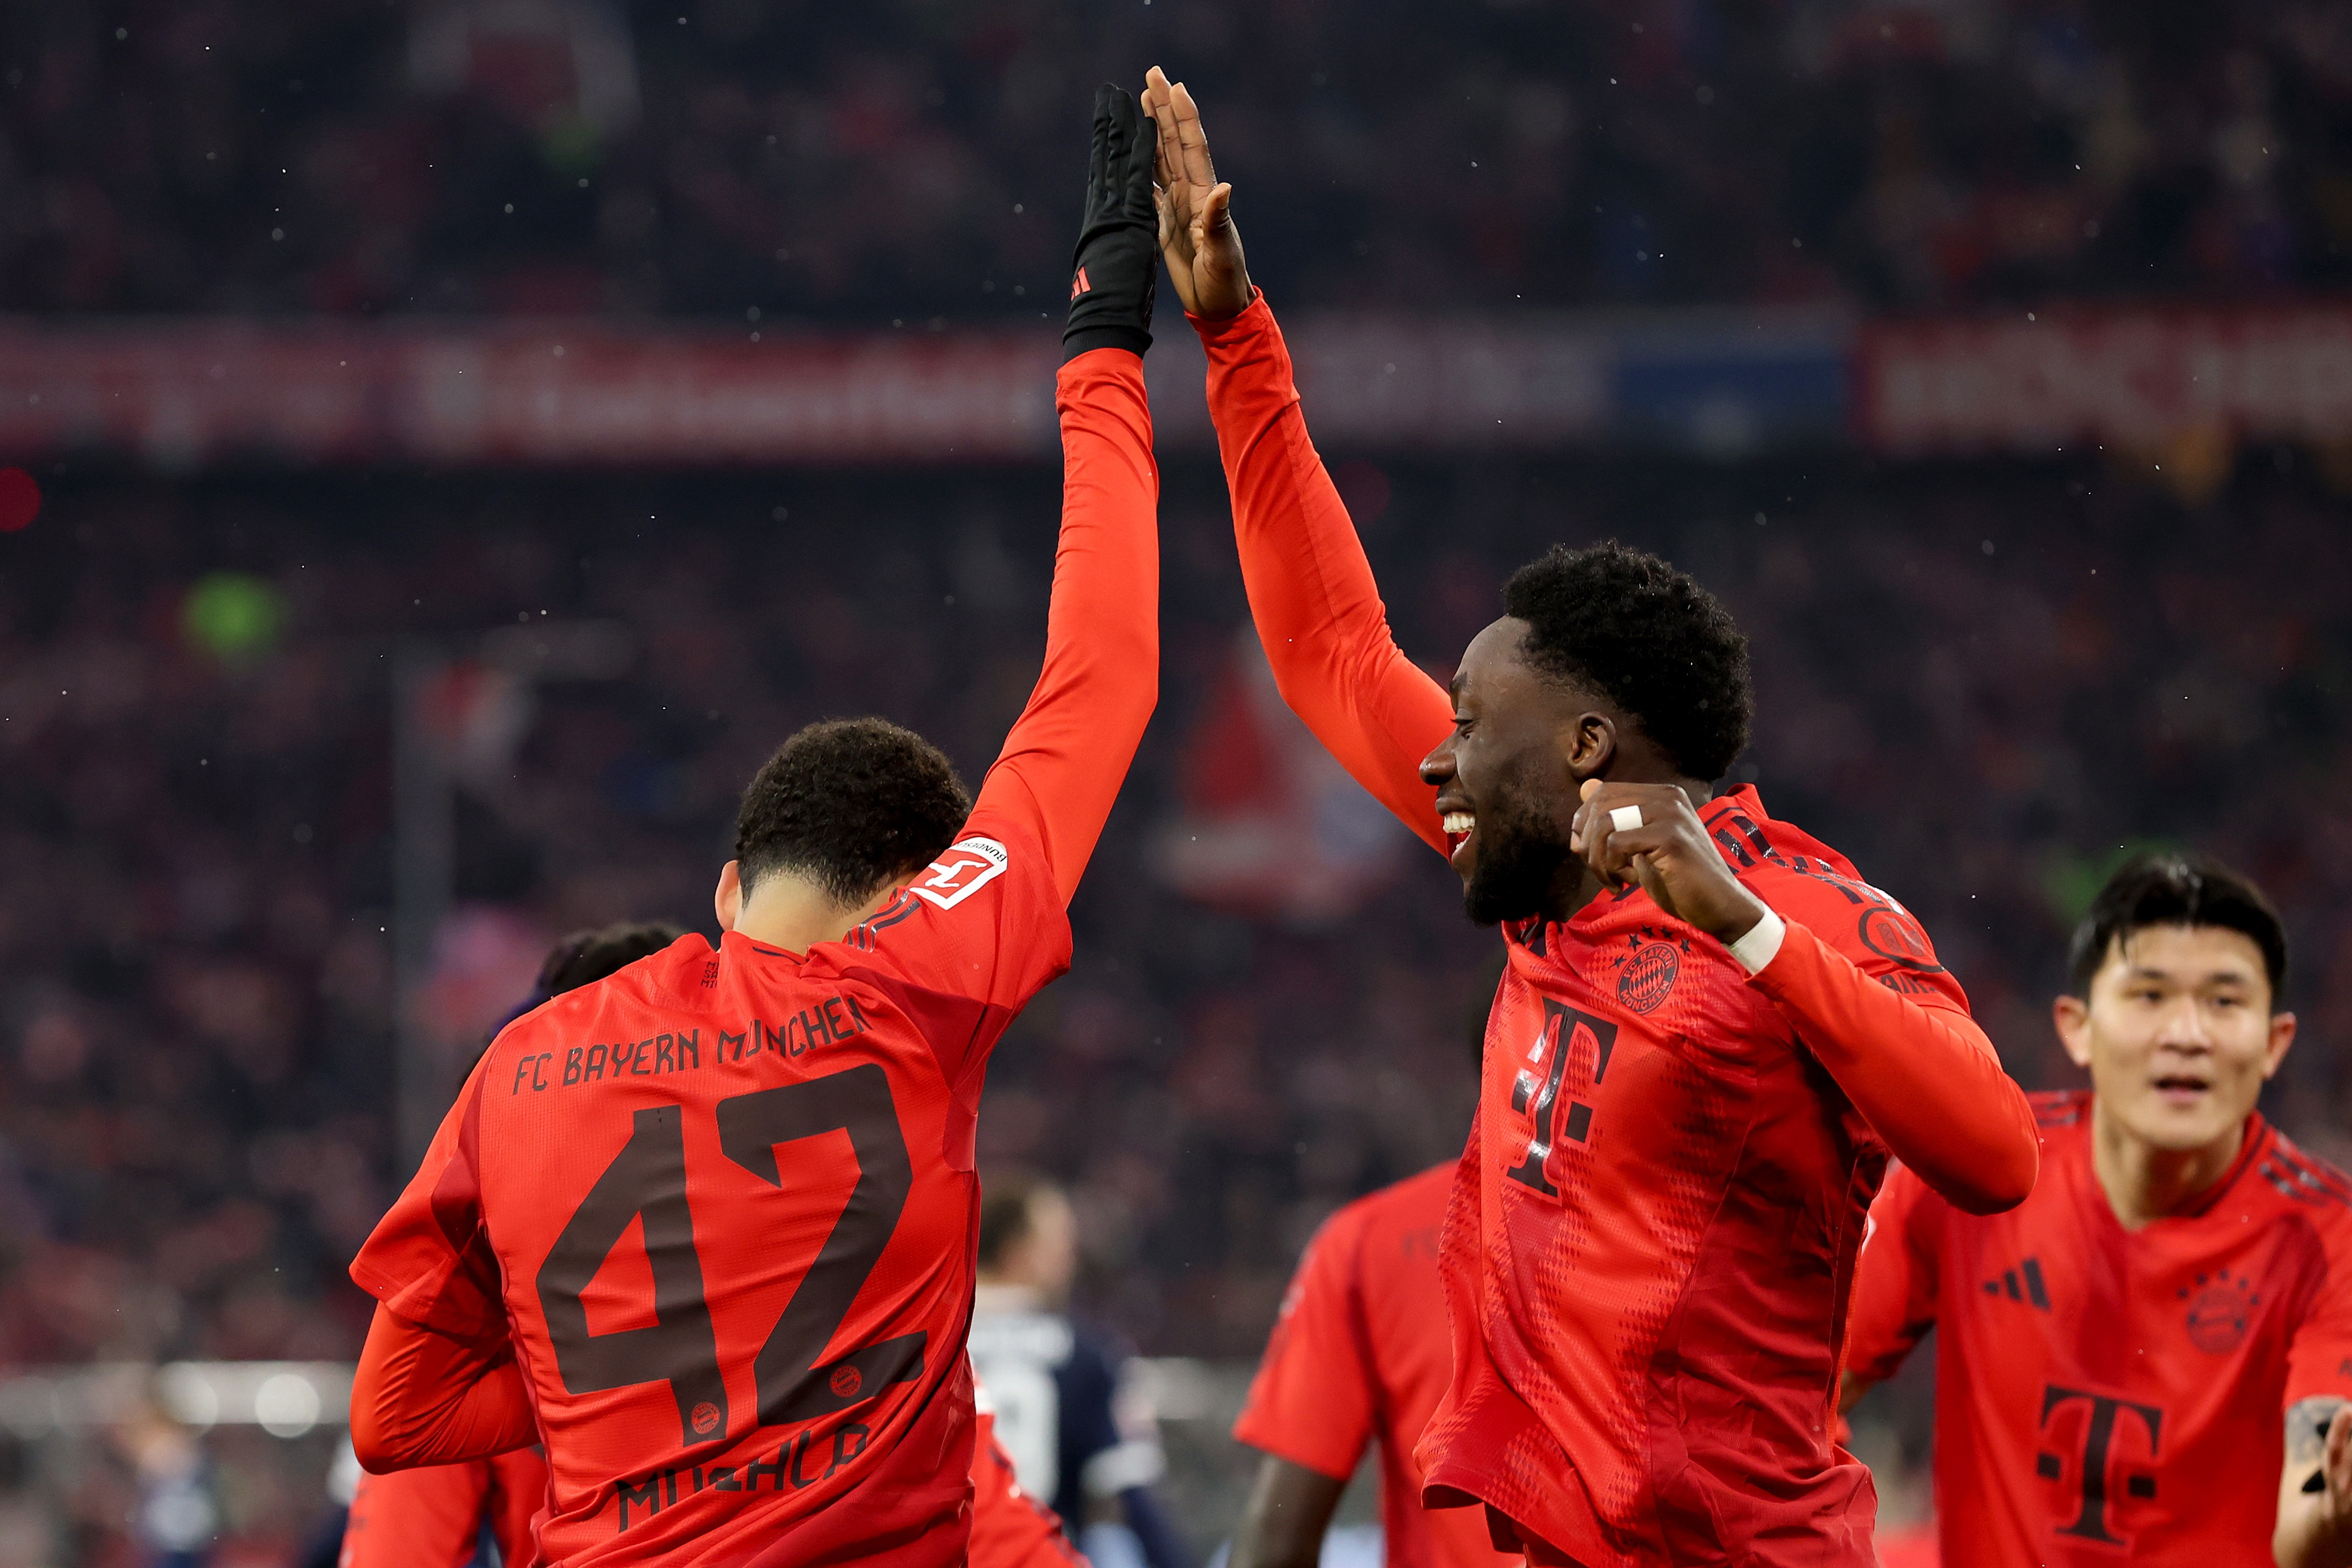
x=1761, y=945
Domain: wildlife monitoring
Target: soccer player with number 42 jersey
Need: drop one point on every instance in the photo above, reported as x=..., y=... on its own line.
x=2114, y=1356
x=1710, y=1034
x=706, y=1228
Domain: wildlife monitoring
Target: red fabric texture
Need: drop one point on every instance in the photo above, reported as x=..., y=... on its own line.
x=1923, y=1077
x=424, y=1397
x=2105, y=1395
x=1010, y=1529
x=1360, y=1356
x=722, y=1203
x=1655, y=1224
x=432, y=1517
x=1310, y=590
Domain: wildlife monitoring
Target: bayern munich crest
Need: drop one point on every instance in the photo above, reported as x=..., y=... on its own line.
x=1647, y=977
x=2221, y=1312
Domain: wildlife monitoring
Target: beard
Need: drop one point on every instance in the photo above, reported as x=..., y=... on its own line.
x=1517, y=867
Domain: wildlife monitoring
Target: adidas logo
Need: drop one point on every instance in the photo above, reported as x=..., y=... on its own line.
x=2022, y=1283
x=1080, y=285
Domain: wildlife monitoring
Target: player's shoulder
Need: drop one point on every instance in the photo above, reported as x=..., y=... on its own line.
x=1807, y=880
x=994, y=858
x=669, y=976
x=2302, y=1183
x=1417, y=1201
x=2058, y=1110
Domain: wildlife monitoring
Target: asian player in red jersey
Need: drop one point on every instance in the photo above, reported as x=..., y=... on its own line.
x=1361, y=1354
x=2114, y=1356
x=1710, y=1032
x=706, y=1227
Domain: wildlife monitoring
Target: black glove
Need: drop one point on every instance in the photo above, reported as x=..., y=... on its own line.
x=1115, y=274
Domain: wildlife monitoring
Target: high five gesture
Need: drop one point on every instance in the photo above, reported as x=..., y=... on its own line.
x=1197, y=235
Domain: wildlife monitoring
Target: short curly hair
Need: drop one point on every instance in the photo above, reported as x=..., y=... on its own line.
x=849, y=803
x=1646, y=637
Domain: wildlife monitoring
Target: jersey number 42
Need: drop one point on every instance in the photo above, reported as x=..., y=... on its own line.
x=647, y=1179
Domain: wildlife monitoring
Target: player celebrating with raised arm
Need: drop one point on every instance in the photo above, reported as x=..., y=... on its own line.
x=1709, y=1033
x=2114, y=1354
x=711, y=1220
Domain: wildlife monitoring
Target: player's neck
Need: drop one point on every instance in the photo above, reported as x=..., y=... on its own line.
x=795, y=914
x=1574, y=886
x=2145, y=1184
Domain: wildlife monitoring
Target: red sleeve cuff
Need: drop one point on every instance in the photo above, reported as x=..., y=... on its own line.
x=1254, y=319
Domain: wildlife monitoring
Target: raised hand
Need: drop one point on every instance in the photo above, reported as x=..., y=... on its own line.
x=1668, y=853
x=1197, y=235
x=1112, y=280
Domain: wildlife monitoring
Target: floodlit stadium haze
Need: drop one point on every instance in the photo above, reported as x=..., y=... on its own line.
x=446, y=444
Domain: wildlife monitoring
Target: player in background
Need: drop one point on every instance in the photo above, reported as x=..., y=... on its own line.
x=1010, y=1527
x=1361, y=1354
x=435, y=1517
x=2115, y=1353
x=1709, y=1035
x=705, y=1228
x=438, y=1516
x=1073, y=1420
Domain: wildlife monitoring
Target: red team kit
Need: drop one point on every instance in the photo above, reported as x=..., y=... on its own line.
x=704, y=1232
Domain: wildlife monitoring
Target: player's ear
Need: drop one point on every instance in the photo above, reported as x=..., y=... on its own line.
x=2282, y=1036
x=728, y=902
x=1588, y=745
x=2073, y=1016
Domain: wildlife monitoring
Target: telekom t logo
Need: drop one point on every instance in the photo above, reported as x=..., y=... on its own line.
x=2099, y=1462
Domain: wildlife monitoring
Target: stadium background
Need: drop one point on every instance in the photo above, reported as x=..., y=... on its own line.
x=1990, y=357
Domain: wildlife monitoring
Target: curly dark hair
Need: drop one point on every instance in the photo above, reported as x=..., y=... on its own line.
x=2176, y=889
x=1634, y=629
x=849, y=803
x=590, y=955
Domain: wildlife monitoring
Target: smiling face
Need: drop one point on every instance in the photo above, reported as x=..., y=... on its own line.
x=1507, y=774
x=2178, y=1034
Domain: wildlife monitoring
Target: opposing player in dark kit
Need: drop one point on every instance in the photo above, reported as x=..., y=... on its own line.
x=711, y=1221
x=1709, y=1034
x=2115, y=1353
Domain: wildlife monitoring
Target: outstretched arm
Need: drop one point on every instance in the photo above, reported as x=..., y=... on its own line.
x=1067, y=754
x=1311, y=591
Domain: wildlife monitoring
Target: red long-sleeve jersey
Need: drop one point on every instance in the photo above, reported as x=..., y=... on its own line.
x=711, y=1220
x=1361, y=1355
x=1653, y=1225
x=2105, y=1395
x=433, y=1517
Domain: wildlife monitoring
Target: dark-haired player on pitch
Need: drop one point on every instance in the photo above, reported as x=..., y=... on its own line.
x=1709, y=1034
x=1360, y=1356
x=711, y=1221
x=435, y=1516
x=2113, y=1354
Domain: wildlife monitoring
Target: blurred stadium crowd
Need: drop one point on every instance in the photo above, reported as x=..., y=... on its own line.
x=1986, y=683
x=894, y=160
x=195, y=758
